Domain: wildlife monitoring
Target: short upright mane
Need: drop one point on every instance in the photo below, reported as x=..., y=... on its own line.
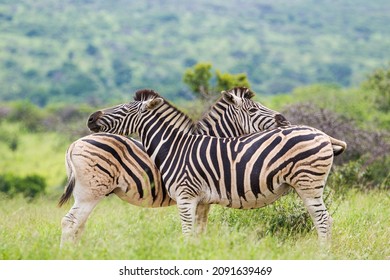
x=210, y=113
x=243, y=92
x=145, y=94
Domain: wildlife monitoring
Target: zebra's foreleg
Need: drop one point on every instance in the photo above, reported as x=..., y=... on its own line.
x=187, y=210
x=202, y=212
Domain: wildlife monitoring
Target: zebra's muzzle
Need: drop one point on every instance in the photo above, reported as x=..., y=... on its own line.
x=281, y=120
x=92, y=121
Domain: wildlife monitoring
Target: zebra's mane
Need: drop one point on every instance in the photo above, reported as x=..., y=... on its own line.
x=242, y=92
x=146, y=94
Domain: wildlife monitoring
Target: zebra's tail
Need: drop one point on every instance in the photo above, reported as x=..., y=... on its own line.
x=338, y=146
x=71, y=179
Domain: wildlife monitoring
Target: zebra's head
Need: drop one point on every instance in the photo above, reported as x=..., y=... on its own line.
x=240, y=115
x=124, y=118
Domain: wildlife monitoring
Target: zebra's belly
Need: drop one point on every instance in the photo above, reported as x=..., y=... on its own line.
x=147, y=194
x=250, y=201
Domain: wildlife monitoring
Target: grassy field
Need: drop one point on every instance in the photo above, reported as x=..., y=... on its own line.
x=117, y=231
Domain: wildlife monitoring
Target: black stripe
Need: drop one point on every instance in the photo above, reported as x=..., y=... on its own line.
x=226, y=164
x=195, y=159
x=258, y=166
x=214, y=161
x=287, y=131
x=104, y=170
x=306, y=171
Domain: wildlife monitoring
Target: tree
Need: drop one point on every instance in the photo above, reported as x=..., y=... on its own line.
x=199, y=79
x=227, y=81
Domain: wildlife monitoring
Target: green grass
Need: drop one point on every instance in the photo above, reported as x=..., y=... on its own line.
x=116, y=230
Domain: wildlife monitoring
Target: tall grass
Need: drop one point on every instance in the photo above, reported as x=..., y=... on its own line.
x=116, y=230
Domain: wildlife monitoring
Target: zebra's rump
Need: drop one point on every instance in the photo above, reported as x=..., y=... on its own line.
x=108, y=163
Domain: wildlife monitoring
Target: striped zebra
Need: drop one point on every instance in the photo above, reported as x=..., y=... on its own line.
x=242, y=172
x=101, y=164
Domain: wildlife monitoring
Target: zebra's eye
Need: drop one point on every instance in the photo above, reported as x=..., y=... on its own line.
x=253, y=110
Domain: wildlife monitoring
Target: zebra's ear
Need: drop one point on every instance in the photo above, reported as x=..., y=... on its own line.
x=231, y=98
x=153, y=103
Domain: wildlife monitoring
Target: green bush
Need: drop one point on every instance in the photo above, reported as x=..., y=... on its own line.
x=207, y=86
x=284, y=218
x=357, y=104
x=30, y=186
x=9, y=137
x=359, y=176
x=378, y=173
x=27, y=113
x=379, y=81
x=362, y=143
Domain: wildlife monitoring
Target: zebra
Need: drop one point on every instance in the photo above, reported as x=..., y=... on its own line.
x=243, y=172
x=101, y=164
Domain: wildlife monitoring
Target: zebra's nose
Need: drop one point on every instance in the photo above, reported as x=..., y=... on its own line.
x=91, y=123
x=281, y=120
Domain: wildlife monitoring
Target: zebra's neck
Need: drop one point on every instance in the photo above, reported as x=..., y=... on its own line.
x=166, y=125
x=217, y=123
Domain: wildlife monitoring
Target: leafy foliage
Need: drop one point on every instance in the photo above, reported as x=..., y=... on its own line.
x=379, y=81
x=227, y=81
x=62, y=118
x=355, y=175
x=97, y=51
x=198, y=78
x=30, y=186
x=362, y=143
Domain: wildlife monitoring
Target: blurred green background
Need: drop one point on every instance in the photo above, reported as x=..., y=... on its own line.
x=320, y=63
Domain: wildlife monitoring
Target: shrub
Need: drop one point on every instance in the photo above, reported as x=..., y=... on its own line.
x=379, y=82
x=378, y=173
x=361, y=143
x=30, y=186
x=356, y=175
x=284, y=218
x=9, y=137
x=28, y=114
x=68, y=118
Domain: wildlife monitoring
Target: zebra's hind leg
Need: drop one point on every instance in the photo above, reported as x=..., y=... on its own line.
x=201, y=217
x=73, y=223
x=313, y=201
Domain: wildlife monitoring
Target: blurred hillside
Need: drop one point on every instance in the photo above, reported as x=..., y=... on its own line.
x=95, y=50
